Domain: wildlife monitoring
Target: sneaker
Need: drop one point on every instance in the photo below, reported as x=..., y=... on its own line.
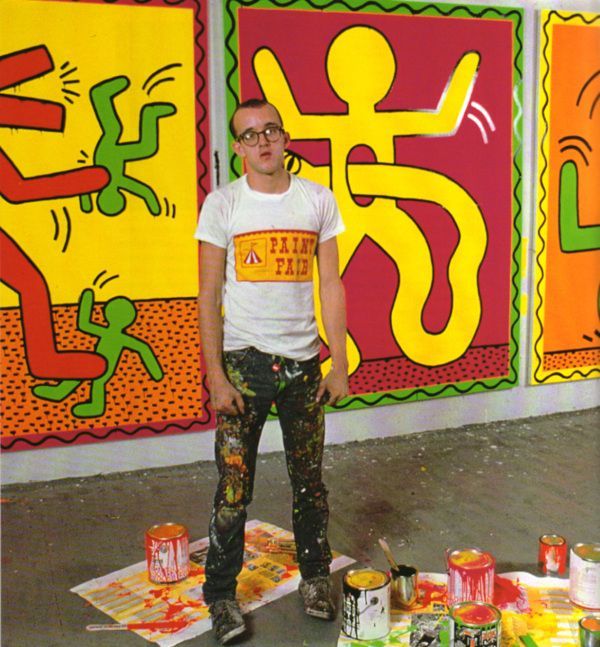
x=227, y=621
x=316, y=595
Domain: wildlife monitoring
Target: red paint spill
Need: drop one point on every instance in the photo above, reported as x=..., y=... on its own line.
x=159, y=593
x=173, y=608
x=508, y=593
x=430, y=592
x=163, y=626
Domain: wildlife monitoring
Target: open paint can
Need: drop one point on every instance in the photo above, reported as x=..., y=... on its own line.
x=404, y=586
x=366, y=604
x=589, y=631
x=584, y=576
x=167, y=553
x=470, y=576
x=476, y=624
x=552, y=555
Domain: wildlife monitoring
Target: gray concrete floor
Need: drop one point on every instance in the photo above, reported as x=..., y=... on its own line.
x=497, y=486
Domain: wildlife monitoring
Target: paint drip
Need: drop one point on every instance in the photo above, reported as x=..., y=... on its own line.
x=167, y=553
x=366, y=606
x=470, y=576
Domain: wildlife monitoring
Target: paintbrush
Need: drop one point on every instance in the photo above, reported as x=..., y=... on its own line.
x=388, y=553
x=158, y=625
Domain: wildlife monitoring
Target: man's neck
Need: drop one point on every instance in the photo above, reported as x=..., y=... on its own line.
x=276, y=183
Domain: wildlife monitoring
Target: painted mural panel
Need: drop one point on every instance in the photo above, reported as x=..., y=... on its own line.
x=411, y=113
x=103, y=149
x=566, y=340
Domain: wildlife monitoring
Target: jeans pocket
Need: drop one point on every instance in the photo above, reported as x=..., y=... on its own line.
x=236, y=356
x=238, y=367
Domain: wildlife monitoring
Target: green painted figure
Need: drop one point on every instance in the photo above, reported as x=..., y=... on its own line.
x=119, y=313
x=574, y=237
x=114, y=154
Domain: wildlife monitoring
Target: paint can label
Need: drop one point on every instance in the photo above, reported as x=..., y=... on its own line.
x=167, y=553
x=470, y=576
x=366, y=604
x=584, y=576
x=475, y=624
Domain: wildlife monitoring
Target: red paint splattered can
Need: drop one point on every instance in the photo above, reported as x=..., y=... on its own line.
x=470, y=576
x=475, y=624
x=552, y=555
x=167, y=553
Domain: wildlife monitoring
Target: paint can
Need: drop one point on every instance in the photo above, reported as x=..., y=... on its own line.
x=584, y=576
x=366, y=604
x=167, y=553
x=470, y=576
x=404, y=586
x=476, y=624
x=552, y=555
x=589, y=631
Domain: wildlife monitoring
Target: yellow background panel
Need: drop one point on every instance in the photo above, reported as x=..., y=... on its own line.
x=154, y=257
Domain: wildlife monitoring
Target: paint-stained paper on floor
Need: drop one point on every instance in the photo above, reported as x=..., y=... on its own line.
x=530, y=605
x=270, y=572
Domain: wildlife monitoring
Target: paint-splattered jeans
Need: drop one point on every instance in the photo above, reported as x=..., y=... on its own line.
x=292, y=386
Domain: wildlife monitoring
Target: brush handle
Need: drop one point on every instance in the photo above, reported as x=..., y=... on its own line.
x=157, y=625
x=114, y=627
x=528, y=641
x=388, y=553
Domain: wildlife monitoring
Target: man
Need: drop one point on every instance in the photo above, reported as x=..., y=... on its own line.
x=259, y=236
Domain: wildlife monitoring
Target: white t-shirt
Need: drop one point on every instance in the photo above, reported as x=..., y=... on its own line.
x=271, y=240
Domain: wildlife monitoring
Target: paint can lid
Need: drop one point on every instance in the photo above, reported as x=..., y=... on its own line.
x=475, y=614
x=470, y=558
x=366, y=579
x=588, y=552
x=167, y=531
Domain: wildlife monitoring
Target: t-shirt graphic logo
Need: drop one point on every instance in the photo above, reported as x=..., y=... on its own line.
x=252, y=257
x=275, y=255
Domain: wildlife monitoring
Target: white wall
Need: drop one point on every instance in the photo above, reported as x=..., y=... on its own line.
x=521, y=401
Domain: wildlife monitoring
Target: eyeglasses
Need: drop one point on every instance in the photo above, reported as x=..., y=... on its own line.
x=251, y=137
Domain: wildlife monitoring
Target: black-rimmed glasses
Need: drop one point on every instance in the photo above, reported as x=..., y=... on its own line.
x=251, y=137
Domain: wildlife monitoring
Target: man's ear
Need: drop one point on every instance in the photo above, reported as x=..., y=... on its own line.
x=238, y=149
x=286, y=139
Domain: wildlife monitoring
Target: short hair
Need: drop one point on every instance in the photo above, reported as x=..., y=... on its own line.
x=251, y=103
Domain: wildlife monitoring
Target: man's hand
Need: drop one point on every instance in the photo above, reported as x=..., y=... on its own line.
x=225, y=398
x=334, y=386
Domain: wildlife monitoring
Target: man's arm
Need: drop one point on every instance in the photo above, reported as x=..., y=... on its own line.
x=224, y=397
x=333, y=313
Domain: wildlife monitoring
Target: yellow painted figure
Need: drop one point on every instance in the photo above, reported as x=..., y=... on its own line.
x=361, y=68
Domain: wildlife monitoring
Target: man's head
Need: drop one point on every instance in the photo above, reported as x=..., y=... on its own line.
x=251, y=103
x=260, y=139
